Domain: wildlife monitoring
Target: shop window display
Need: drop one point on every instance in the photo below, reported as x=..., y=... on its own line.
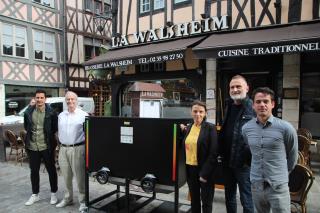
x=310, y=95
x=17, y=97
x=158, y=99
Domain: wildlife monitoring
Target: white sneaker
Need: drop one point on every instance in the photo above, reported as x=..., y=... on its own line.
x=54, y=199
x=83, y=207
x=64, y=203
x=34, y=198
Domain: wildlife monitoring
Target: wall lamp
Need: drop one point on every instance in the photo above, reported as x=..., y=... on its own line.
x=101, y=20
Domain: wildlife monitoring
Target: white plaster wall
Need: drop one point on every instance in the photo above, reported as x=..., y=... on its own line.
x=211, y=79
x=291, y=79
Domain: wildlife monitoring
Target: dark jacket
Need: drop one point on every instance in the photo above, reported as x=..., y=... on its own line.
x=240, y=154
x=207, y=149
x=50, y=126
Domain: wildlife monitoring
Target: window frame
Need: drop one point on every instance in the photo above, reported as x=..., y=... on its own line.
x=86, y=3
x=95, y=6
x=43, y=2
x=13, y=40
x=180, y=1
x=183, y=3
x=94, y=44
x=151, y=8
x=44, y=42
x=95, y=3
x=160, y=8
x=151, y=67
x=141, y=5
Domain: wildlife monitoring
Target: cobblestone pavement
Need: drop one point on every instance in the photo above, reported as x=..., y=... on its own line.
x=15, y=189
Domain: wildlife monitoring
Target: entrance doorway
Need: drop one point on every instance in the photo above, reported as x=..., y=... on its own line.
x=260, y=71
x=310, y=94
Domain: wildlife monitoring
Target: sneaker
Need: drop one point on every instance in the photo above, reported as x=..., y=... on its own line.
x=54, y=199
x=83, y=207
x=64, y=203
x=34, y=198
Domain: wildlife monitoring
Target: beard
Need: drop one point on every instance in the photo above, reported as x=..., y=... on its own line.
x=238, y=97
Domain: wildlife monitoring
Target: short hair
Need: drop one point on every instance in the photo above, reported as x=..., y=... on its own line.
x=239, y=77
x=200, y=103
x=263, y=90
x=40, y=91
x=71, y=93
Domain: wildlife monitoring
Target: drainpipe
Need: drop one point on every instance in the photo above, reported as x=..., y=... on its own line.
x=65, y=56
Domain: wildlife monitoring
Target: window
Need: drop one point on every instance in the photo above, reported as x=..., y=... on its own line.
x=152, y=67
x=49, y=3
x=91, y=48
x=175, y=101
x=179, y=1
x=88, y=5
x=106, y=7
x=144, y=6
x=144, y=67
x=158, y=4
x=22, y=95
x=14, y=40
x=44, y=46
x=147, y=5
x=94, y=6
x=158, y=67
x=97, y=7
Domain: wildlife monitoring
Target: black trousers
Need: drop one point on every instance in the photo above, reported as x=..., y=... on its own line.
x=49, y=162
x=199, y=191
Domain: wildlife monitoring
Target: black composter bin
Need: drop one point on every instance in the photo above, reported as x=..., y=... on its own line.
x=143, y=150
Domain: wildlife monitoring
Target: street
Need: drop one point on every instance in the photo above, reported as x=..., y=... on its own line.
x=15, y=190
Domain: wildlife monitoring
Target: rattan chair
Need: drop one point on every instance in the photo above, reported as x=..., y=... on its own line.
x=304, y=146
x=300, y=182
x=23, y=134
x=301, y=160
x=305, y=132
x=16, y=148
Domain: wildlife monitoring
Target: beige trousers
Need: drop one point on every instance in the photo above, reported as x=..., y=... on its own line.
x=72, y=163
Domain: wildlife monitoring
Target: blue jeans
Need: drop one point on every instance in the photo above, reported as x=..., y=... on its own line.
x=240, y=177
x=267, y=198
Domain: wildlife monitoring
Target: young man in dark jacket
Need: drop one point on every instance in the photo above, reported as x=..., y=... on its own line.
x=234, y=151
x=40, y=122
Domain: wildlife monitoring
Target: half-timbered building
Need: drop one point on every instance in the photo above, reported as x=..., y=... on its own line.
x=84, y=39
x=193, y=47
x=31, y=53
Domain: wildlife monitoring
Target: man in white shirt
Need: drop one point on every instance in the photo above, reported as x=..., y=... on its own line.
x=72, y=150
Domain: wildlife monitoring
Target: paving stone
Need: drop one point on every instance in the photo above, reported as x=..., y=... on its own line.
x=15, y=189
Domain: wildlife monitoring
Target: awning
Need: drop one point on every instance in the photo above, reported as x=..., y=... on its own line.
x=143, y=54
x=290, y=39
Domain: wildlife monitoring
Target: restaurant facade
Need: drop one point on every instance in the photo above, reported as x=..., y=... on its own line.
x=192, y=49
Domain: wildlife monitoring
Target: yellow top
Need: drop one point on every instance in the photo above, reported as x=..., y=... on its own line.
x=191, y=145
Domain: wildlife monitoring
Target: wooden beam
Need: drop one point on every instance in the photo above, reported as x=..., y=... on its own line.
x=295, y=7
